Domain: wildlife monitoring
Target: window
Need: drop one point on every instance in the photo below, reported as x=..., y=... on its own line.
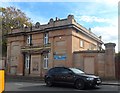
x=81, y=43
x=29, y=39
x=54, y=70
x=46, y=38
x=27, y=61
x=64, y=71
x=45, y=62
x=92, y=47
x=77, y=71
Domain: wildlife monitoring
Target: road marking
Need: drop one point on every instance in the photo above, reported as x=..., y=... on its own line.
x=39, y=84
x=18, y=84
x=113, y=86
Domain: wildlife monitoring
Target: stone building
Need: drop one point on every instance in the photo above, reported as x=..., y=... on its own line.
x=100, y=63
x=61, y=42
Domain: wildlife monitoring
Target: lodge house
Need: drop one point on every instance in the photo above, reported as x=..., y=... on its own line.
x=31, y=51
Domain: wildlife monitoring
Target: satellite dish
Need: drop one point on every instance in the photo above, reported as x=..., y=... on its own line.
x=37, y=25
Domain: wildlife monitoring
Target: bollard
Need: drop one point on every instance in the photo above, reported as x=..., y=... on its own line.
x=2, y=81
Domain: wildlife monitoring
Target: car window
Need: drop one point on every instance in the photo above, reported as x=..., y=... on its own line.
x=64, y=71
x=53, y=70
x=59, y=71
x=77, y=71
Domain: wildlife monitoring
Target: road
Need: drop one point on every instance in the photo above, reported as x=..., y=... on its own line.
x=40, y=86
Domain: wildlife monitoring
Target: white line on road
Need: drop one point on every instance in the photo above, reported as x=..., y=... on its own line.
x=113, y=86
x=18, y=84
x=39, y=84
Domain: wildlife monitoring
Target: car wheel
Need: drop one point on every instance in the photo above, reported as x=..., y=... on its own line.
x=79, y=84
x=49, y=82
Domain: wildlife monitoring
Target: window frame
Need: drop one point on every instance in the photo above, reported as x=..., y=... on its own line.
x=27, y=61
x=81, y=42
x=46, y=38
x=29, y=39
x=65, y=71
x=92, y=46
x=45, y=61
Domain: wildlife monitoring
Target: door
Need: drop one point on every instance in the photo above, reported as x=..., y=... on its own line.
x=35, y=65
x=27, y=64
x=89, y=65
x=56, y=74
x=61, y=75
x=66, y=76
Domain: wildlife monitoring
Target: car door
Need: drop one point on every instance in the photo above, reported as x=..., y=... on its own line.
x=57, y=75
x=66, y=76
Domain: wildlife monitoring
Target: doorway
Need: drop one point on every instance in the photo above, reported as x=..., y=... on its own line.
x=89, y=65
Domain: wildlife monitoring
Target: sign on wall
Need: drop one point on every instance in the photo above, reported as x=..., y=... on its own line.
x=60, y=57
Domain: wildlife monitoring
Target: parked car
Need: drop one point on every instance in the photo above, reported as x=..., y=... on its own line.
x=71, y=76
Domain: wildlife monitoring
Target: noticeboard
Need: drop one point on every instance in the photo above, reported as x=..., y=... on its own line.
x=59, y=57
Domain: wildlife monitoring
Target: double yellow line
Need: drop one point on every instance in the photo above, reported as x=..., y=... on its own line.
x=2, y=81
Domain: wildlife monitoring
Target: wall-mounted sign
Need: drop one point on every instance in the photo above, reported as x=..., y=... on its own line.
x=59, y=57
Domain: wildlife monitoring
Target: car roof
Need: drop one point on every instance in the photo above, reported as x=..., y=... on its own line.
x=59, y=67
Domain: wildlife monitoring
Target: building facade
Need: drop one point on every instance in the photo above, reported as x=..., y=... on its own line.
x=100, y=63
x=32, y=51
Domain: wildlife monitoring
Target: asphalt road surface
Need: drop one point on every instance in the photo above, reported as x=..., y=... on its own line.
x=40, y=86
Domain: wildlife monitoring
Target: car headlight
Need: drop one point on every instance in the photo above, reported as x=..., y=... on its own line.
x=90, y=78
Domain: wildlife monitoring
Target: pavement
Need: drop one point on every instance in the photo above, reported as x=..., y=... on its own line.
x=38, y=79
x=111, y=82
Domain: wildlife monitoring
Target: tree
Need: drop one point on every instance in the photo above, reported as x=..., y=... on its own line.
x=11, y=18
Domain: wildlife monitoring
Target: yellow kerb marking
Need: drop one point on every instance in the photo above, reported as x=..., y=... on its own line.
x=2, y=81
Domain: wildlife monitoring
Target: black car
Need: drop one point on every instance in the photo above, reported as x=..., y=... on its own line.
x=71, y=76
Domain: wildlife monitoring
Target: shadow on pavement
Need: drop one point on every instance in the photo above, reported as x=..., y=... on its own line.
x=54, y=88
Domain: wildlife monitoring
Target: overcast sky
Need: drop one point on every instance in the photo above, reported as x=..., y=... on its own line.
x=101, y=15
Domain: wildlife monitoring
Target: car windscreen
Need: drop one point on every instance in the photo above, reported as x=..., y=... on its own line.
x=77, y=71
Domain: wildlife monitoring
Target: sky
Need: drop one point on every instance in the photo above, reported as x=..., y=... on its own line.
x=99, y=15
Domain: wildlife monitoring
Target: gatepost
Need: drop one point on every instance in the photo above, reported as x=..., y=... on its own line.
x=2, y=81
